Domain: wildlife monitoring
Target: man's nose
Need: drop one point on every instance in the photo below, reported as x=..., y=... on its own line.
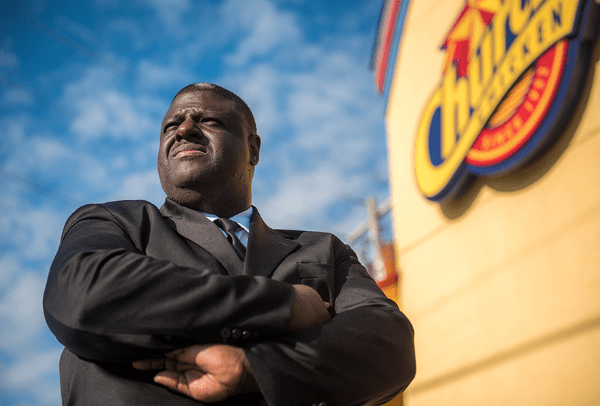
x=188, y=129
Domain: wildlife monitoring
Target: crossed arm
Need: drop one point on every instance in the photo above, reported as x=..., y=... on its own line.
x=214, y=372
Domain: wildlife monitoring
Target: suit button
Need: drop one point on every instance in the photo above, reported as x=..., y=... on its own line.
x=236, y=333
x=246, y=334
x=225, y=332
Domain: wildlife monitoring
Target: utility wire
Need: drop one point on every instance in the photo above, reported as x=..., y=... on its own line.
x=35, y=23
x=32, y=22
x=43, y=190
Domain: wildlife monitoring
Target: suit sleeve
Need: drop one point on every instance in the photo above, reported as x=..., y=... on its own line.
x=105, y=300
x=363, y=355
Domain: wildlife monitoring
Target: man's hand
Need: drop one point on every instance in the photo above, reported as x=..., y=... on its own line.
x=309, y=309
x=208, y=373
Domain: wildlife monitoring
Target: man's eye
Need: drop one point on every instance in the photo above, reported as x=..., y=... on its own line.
x=170, y=127
x=211, y=121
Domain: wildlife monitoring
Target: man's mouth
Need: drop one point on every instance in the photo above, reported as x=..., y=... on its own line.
x=189, y=150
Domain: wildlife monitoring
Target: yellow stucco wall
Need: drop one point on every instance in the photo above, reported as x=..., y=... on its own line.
x=502, y=285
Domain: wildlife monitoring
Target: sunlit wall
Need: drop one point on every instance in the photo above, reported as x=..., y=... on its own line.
x=502, y=284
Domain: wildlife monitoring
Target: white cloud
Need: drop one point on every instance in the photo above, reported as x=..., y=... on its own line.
x=47, y=159
x=330, y=109
x=21, y=313
x=104, y=111
x=111, y=113
x=131, y=30
x=152, y=75
x=35, y=231
x=8, y=58
x=9, y=266
x=169, y=12
x=17, y=96
x=13, y=132
x=260, y=87
x=32, y=375
x=302, y=199
x=267, y=27
x=72, y=27
x=309, y=106
x=145, y=186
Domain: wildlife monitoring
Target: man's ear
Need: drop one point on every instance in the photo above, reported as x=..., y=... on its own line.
x=254, y=146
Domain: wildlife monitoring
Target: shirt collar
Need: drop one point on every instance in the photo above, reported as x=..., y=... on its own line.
x=243, y=218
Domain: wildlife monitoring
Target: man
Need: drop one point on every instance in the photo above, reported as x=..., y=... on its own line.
x=167, y=307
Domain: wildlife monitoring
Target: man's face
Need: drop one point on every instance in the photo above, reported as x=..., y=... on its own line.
x=203, y=143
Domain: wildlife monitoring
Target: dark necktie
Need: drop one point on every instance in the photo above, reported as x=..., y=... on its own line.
x=230, y=227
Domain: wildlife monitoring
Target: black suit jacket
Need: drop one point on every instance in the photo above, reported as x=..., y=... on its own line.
x=130, y=281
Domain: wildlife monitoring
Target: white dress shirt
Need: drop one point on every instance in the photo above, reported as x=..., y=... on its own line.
x=243, y=219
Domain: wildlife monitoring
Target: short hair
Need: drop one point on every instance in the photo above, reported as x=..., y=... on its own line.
x=239, y=105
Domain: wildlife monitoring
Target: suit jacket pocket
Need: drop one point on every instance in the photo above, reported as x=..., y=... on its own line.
x=320, y=277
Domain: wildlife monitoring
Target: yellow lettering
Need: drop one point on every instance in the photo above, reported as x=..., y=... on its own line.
x=557, y=17
x=519, y=15
x=498, y=29
x=486, y=58
x=476, y=80
x=455, y=109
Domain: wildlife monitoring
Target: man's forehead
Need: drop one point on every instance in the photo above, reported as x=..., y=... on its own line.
x=203, y=98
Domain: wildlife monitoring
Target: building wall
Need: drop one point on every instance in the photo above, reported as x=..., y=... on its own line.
x=503, y=284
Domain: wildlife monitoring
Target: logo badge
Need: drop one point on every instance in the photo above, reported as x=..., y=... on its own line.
x=512, y=73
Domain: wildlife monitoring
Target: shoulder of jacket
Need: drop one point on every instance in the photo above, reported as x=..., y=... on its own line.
x=112, y=211
x=118, y=206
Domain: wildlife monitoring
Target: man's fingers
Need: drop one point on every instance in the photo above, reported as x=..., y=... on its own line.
x=309, y=309
x=208, y=373
x=193, y=383
x=174, y=381
x=188, y=355
x=150, y=364
x=166, y=363
x=167, y=378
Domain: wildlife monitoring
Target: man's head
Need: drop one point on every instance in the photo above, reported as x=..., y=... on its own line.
x=208, y=150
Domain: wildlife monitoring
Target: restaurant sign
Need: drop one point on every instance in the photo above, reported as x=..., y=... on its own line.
x=513, y=72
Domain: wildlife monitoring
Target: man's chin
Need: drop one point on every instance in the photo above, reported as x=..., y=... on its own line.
x=186, y=197
x=188, y=179
x=182, y=189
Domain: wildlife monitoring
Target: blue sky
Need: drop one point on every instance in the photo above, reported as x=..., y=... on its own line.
x=84, y=86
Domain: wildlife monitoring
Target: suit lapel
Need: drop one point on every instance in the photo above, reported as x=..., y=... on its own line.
x=200, y=230
x=266, y=248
